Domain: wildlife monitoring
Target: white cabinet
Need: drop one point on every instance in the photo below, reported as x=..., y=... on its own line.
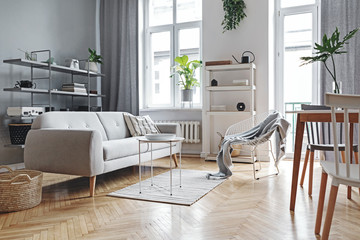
x=220, y=102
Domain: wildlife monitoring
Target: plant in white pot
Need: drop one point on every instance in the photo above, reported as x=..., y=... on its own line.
x=186, y=70
x=93, y=60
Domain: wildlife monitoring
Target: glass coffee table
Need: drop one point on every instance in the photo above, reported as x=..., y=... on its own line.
x=170, y=142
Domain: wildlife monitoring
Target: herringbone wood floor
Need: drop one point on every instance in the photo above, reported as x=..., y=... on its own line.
x=240, y=208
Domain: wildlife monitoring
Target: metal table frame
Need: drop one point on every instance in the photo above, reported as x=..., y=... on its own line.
x=170, y=141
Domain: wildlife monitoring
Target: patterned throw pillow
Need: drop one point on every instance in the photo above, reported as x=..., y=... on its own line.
x=140, y=125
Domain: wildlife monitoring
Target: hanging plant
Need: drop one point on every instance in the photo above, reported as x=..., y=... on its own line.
x=234, y=13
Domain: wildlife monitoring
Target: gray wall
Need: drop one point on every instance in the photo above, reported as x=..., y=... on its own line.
x=66, y=27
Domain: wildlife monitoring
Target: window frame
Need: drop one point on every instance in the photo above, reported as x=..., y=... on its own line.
x=281, y=13
x=174, y=29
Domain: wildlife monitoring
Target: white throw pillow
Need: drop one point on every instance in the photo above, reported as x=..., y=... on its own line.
x=140, y=125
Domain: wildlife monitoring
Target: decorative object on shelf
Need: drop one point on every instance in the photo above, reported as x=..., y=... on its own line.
x=29, y=56
x=93, y=60
x=330, y=47
x=234, y=13
x=215, y=63
x=245, y=59
x=24, y=111
x=186, y=70
x=240, y=106
x=241, y=82
x=74, y=87
x=25, y=84
x=72, y=63
x=20, y=189
x=51, y=60
x=18, y=132
x=214, y=83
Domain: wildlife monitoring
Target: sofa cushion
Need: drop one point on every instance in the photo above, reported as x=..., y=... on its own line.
x=70, y=120
x=140, y=125
x=114, y=125
x=127, y=147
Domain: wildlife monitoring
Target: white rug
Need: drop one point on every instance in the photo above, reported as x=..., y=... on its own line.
x=195, y=185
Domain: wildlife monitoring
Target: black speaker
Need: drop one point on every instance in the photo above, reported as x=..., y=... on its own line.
x=240, y=106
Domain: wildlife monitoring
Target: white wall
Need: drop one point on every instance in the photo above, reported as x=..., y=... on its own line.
x=252, y=34
x=66, y=27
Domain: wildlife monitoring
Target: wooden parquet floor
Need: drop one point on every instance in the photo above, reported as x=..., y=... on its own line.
x=240, y=208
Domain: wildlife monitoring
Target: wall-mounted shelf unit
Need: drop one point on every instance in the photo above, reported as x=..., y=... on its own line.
x=225, y=94
x=50, y=91
x=53, y=68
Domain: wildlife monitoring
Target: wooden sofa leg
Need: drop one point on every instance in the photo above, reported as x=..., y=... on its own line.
x=92, y=185
x=175, y=160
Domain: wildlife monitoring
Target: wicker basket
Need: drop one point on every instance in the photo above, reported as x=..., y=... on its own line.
x=20, y=189
x=18, y=132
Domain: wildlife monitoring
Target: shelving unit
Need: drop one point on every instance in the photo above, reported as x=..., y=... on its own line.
x=224, y=94
x=50, y=91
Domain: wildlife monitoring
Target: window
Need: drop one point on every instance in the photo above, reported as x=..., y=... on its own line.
x=297, y=31
x=172, y=28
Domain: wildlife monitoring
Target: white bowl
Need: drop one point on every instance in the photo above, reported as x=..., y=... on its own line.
x=160, y=137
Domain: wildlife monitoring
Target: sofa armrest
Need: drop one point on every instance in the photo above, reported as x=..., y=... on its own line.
x=169, y=128
x=76, y=152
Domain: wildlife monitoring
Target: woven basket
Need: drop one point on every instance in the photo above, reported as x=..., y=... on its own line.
x=20, y=189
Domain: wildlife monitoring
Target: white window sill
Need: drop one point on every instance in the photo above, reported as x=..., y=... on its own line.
x=194, y=109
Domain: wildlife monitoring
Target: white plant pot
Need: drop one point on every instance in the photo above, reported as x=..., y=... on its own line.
x=91, y=67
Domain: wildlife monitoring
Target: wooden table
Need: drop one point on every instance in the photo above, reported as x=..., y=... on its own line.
x=312, y=116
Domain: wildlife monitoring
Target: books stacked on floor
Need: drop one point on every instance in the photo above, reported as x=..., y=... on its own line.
x=74, y=87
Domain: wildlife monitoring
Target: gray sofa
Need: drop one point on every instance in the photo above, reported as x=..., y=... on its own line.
x=88, y=144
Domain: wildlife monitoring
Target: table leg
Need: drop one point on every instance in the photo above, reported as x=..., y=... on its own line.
x=296, y=163
x=139, y=170
x=351, y=141
x=180, y=161
x=152, y=174
x=170, y=169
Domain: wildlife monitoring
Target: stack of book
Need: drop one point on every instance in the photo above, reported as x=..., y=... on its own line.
x=74, y=87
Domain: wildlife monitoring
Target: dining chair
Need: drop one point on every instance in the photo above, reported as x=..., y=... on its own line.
x=318, y=140
x=341, y=173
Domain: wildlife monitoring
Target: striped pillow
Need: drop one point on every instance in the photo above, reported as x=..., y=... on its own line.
x=140, y=125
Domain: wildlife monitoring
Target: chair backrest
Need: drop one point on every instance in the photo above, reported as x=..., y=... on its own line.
x=345, y=102
x=315, y=131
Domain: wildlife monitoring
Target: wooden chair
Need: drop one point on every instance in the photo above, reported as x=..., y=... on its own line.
x=341, y=173
x=317, y=141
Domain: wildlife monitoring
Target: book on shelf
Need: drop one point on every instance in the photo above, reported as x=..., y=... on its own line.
x=74, y=89
x=215, y=63
x=82, y=85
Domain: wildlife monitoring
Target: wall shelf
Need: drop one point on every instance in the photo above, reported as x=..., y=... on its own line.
x=230, y=113
x=55, y=92
x=231, y=67
x=14, y=146
x=230, y=88
x=55, y=68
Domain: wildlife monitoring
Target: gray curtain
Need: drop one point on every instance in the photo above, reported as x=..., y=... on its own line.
x=119, y=48
x=346, y=16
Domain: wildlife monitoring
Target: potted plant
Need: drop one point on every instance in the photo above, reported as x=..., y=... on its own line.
x=93, y=60
x=330, y=47
x=234, y=13
x=186, y=71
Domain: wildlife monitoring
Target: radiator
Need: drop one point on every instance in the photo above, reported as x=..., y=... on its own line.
x=190, y=130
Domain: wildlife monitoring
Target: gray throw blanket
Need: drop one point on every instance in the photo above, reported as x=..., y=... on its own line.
x=257, y=135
